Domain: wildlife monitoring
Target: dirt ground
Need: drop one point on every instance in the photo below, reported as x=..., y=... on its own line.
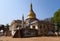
x=30, y=39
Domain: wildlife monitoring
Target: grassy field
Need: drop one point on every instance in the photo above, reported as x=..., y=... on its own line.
x=30, y=39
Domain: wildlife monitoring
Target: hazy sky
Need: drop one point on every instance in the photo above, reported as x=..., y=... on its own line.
x=13, y=9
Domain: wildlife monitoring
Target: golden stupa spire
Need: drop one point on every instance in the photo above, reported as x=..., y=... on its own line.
x=31, y=13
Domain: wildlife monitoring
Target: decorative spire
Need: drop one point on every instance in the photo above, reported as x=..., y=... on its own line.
x=22, y=16
x=22, y=21
x=31, y=7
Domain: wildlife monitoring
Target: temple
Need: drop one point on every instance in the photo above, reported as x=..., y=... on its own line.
x=31, y=26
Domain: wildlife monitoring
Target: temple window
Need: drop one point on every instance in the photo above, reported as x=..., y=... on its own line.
x=33, y=27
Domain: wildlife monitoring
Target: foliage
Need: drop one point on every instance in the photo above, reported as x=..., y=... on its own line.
x=56, y=17
x=7, y=26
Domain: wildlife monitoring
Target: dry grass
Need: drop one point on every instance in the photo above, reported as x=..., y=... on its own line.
x=30, y=39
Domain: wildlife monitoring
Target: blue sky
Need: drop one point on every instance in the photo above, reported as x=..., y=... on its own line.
x=13, y=9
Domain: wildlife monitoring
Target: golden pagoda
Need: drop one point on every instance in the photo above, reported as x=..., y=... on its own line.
x=31, y=13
